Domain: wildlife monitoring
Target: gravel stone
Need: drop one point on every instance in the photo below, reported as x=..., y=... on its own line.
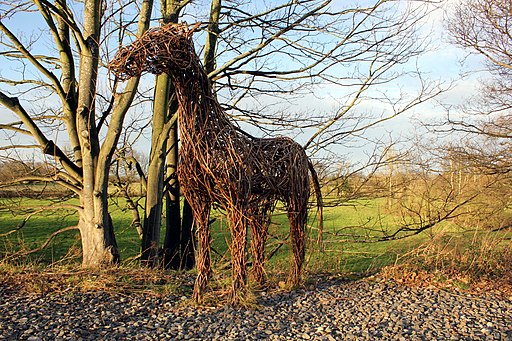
x=332, y=310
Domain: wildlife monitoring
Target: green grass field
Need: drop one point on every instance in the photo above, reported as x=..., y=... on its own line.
x=343, y=252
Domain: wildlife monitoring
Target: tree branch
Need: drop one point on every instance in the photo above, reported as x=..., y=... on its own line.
x=34, y=61
x=47, y=146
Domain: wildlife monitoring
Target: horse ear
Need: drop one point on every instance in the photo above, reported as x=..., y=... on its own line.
x=193, y=29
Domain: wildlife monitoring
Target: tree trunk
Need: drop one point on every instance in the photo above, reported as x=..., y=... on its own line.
x=179, y=237
x=178, y=243
x=155, y=178
x=187, y=238
x=172, y=207
x=99, y=246
x=94, y=224
x=211, y=38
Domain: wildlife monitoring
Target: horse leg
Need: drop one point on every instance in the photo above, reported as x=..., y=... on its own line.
x=201, y=213
x=238, y=244
x=259, y=222
x=297, y=216
x=259, y=237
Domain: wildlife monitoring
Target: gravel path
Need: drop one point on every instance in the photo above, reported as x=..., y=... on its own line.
x=335, y=310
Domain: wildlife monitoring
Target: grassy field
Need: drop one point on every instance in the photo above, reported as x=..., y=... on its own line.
x=343, y=252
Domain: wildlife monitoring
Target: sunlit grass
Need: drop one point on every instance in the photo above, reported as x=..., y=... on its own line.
x=349, y=244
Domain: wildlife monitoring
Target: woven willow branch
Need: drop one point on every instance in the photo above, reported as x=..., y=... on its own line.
x=219, y=163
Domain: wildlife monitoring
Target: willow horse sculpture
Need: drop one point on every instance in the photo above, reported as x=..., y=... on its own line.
x=219, y=163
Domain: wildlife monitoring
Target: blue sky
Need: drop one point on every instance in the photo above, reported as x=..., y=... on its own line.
x=441, y=63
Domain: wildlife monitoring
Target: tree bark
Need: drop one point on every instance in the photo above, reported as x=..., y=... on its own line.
x=155, y=178
x=172, y=205
x=211, y=38
x=99, y=246
x=187, y=238
x=94, y=225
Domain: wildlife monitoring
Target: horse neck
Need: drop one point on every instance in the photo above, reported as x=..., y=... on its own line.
x=199, y=111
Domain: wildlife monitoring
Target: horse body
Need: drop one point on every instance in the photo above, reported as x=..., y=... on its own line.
x=219, y=163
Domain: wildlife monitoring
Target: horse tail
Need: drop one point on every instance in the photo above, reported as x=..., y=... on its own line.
x=319, y=202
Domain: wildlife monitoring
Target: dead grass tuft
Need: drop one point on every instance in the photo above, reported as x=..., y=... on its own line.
x=481, y=264
x=46, y=280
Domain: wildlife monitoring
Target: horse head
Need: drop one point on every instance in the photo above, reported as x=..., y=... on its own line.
x=165, y=49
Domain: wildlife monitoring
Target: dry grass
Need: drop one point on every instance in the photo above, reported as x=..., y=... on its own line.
x=132, y=280
x=450, y=262
x=45, y=280
x=481, y=262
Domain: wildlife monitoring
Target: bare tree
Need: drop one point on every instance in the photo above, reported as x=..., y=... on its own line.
x=451, y=184
x=52, y=89
x=482, y=27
